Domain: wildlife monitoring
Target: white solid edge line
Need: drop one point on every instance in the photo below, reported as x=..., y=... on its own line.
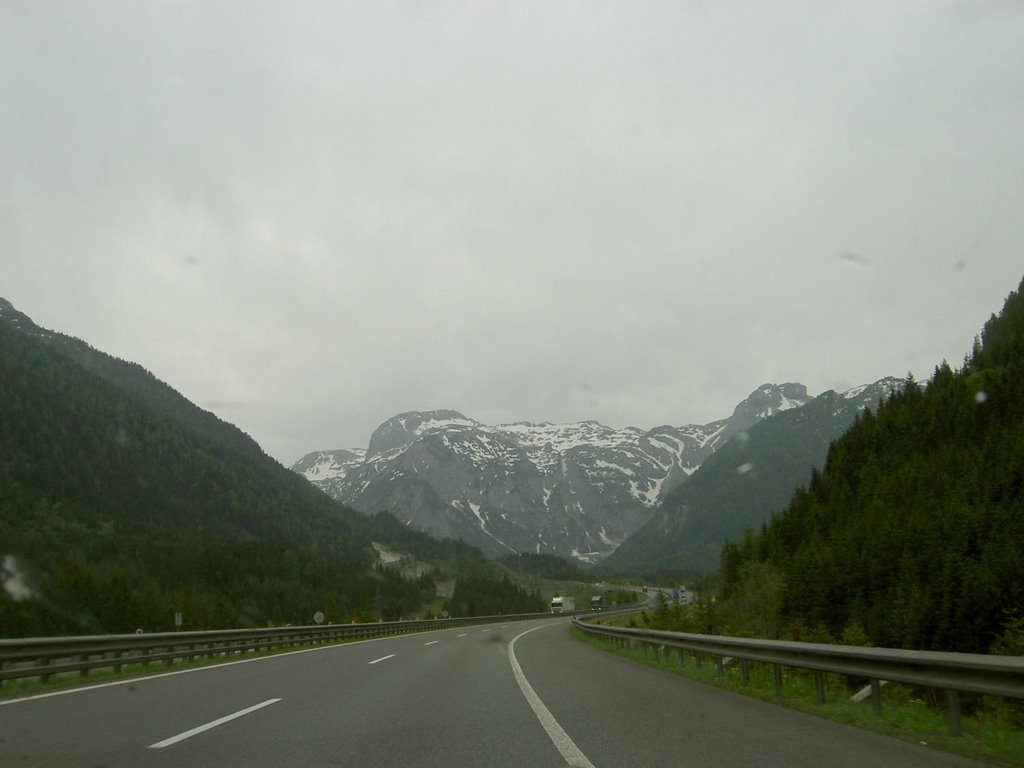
x=567, y=747
x=212, y=724
x=382, y=658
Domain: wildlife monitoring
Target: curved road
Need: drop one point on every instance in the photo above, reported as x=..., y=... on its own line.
x=519, y=694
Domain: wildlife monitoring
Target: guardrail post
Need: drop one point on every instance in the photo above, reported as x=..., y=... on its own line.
x=819, y=686
x=953, y=703
x=720, y=666
x=682, y=657
x=778, y=681
x=699, y=659
x=44, y=678
x=745, y=670
x=84, y=671
x=657, y=652
x=876, y=696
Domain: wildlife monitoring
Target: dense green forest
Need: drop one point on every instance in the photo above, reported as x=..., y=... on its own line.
x=913, y=534
x=548, y=566
x=121, y=504
x=487, y=597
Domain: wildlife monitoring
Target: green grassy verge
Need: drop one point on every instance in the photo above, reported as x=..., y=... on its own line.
x=989, y=736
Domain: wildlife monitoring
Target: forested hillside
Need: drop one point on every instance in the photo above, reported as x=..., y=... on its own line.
x=121, y=504
x=134, y=381
x=548, y=566
x=740, y=485
x=914, y=531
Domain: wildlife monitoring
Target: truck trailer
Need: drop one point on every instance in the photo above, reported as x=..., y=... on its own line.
x=562, y=604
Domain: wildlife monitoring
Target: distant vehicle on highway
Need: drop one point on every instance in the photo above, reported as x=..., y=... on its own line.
x=561, y=604
x=596, y=603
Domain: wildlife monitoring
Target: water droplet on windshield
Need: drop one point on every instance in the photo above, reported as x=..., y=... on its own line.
x=14, y=581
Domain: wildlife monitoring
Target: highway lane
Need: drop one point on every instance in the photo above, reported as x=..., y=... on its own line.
x=622, y=713
x=432, y=699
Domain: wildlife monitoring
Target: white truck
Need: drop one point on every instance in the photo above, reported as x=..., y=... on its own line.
x=562, y=604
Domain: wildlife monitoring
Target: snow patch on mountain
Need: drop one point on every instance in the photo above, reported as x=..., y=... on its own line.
x=608, y=465
x=482, y=522
x=650, y=496
x=712, y=436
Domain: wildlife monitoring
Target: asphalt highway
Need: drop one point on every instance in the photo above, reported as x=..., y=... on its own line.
x=519, y=694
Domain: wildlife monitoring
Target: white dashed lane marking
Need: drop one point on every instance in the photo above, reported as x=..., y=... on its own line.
x=212, y=724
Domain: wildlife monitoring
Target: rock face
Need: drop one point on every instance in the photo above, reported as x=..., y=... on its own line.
x=576, y=490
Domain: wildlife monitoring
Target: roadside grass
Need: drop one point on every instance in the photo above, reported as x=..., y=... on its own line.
x=987, y=735
x=28, y=686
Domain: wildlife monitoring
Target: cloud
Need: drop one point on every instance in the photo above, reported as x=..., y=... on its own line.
x=311, y=218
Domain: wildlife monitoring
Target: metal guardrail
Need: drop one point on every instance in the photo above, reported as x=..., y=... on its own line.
x=43, y=657
x=954, y=673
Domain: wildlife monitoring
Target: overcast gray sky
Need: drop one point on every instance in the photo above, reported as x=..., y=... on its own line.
x=308, y=217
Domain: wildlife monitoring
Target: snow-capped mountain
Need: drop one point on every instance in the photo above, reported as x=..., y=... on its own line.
x=321, y=467
x=570, y=489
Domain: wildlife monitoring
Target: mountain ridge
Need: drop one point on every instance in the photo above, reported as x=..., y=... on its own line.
x=137, y=382
x=739, y=486
x=576, y=489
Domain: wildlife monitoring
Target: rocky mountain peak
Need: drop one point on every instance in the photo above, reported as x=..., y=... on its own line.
x=765, y=401
x=402, y=430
